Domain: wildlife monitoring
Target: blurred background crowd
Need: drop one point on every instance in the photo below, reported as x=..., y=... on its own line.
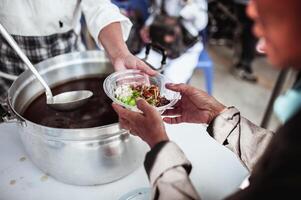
x=209, y=44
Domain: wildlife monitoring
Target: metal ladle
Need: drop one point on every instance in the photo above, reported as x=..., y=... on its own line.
x=65, y=101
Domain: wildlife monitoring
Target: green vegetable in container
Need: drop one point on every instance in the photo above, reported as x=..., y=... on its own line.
x=129, y=94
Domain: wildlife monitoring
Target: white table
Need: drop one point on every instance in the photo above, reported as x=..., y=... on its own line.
x=216, y=171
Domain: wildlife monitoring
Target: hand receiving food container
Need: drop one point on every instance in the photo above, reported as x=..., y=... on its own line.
x=125, y=87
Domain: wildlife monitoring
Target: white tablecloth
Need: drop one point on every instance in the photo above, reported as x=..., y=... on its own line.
x=216, y=171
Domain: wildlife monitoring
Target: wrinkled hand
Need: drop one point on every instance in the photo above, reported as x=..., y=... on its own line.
x=129, y=61
x=147, y=125
x=195, y=106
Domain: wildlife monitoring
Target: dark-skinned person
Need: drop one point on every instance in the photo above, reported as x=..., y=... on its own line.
x=273, y=159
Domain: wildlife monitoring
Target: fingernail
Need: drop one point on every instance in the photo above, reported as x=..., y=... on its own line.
x=139, y=99
x=170, y=84
x=115, y=106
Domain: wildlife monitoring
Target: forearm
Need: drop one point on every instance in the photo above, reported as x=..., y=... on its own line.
x=241, y=136
x=168, y=170
x=112, y=40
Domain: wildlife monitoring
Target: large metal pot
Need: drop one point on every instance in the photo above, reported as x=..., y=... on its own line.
x=86, y=156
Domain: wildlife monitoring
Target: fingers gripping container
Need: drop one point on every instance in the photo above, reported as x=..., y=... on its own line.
x=136, y=77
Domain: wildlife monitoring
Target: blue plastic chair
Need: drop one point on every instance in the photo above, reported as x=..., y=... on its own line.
x=122, y=4
x=141, y=5
x=205, y=63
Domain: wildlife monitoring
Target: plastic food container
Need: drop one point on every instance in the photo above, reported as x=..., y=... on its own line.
x=136, y=77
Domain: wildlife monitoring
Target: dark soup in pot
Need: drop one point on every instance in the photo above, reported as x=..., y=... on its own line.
x=96, y=112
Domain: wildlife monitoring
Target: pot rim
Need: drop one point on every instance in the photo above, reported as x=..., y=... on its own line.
x=66, y=133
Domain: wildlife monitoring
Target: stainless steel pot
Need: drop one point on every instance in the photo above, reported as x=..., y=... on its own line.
x=86, y=156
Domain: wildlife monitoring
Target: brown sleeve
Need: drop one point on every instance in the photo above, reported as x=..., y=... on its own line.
x=168, y=171
x=241, y=136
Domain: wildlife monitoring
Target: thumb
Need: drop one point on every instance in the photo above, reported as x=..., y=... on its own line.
x=145, y=107
x=119, y=65
x=145, y=68
x=182, y=88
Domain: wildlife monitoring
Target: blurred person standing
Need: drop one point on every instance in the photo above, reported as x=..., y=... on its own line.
x=243, y=68
x=44, y=29
x=192, y=16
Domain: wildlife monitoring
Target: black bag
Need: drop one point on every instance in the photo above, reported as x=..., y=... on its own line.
x=169, y=33
x=134, y=42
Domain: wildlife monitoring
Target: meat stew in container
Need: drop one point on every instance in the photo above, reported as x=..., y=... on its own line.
x=96, y=112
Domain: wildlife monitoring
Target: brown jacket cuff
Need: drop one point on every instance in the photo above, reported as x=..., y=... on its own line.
x=162, y=157
x=223, y=125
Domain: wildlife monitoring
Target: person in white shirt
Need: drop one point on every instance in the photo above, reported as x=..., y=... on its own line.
x=194, y=17
x=44, y=29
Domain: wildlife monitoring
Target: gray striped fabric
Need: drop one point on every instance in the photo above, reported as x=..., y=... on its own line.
x=37, y=49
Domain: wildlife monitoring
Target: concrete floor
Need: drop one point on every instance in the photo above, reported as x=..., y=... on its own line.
x=251, y=99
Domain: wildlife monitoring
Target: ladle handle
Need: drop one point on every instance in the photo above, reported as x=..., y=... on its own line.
x=15, y=46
